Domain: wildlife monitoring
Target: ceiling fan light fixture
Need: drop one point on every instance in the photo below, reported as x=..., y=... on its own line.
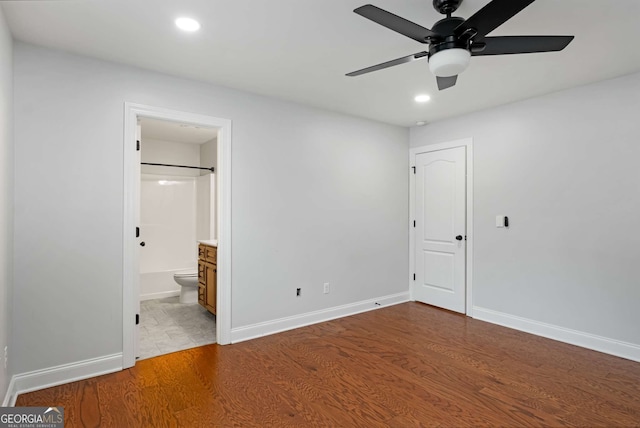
x=449, y=62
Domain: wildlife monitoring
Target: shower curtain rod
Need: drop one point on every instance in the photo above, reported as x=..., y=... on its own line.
x=177, y=166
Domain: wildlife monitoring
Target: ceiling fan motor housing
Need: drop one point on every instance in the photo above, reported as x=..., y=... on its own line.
x=445, y=28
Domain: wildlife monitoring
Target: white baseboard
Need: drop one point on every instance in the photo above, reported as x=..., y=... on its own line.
x=11, y=395
x=160, y=295
x=615, y=347
x=53, y=376
x=253, y=331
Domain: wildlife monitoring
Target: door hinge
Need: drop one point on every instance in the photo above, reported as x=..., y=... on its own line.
x=414, y=223
x=414, y=276
x=137, y=145
x=465, y=237
x=414, y=169
x=137, y=232
x=137, y=319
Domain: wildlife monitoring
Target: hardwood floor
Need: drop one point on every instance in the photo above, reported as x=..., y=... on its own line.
x=409, y=365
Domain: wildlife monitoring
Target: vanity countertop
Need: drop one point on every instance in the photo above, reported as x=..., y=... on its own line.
x=211, y=242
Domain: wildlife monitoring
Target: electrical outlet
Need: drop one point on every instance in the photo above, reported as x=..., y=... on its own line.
x=298, y=292
x=326, y=288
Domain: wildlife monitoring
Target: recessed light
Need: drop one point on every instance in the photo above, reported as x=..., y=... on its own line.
x=187, y=24
x=421, y=123
x=422, y=98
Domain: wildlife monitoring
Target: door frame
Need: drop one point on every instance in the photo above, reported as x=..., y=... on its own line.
x=130, y=278
x=468, y=144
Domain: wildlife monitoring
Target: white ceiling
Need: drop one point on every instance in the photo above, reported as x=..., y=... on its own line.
x=176, y=132
x=300, y=50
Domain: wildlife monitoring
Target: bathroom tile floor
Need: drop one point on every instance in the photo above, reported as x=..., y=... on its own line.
x=167, y=325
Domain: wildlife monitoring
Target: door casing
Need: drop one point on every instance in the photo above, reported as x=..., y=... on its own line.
x=130, y=278
x=468, y=143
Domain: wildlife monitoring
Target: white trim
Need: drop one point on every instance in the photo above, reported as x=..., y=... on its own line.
x=159, y=295
x=11, y=396
x=224, y=280
x=412, y=235
x=470, y=239
x=468, y=144
x=289, y=323
x=59, y=375
x=130, y=283
x=615, y=347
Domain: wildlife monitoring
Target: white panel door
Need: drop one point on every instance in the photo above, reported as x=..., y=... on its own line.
x=440, y=235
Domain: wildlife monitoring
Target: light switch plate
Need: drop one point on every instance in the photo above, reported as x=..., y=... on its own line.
x=500, y=221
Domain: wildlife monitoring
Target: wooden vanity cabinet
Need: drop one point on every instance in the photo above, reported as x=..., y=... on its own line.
x=201, y=282
x=207, y=272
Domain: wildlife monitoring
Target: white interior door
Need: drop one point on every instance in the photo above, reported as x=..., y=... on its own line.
x=440, y=232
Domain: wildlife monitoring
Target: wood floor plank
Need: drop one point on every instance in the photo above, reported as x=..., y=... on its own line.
x=437, y=402
x=317, y=377
x=409, y=365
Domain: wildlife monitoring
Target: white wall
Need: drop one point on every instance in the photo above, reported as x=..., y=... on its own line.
x=564, y=168
x=205, y=207
x=169, y=152
x=208, y=211
x=209, y=154
x=317, y=196
x=6, y=195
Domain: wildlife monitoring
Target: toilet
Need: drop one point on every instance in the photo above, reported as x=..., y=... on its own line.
x=188, y=281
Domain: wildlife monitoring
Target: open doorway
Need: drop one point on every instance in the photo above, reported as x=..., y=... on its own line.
x=177, y=203
x=177, y=209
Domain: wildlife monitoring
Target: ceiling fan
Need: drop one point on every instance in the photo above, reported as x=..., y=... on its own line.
x=453, y=41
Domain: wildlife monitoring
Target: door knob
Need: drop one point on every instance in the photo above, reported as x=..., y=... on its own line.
x=142, y=244
x=459, y=237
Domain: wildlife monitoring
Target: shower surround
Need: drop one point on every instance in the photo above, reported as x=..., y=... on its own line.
x=174, y=210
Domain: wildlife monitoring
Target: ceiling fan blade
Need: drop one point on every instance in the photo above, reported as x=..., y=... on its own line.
x=493, y=15
x=388, y=64
x=522, y=44
x=395, y=23
x=446, y=82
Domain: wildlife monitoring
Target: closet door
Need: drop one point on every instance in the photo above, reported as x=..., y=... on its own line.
x=440, y=232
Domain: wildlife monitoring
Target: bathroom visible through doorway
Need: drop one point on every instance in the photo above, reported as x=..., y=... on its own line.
x=177, y=212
